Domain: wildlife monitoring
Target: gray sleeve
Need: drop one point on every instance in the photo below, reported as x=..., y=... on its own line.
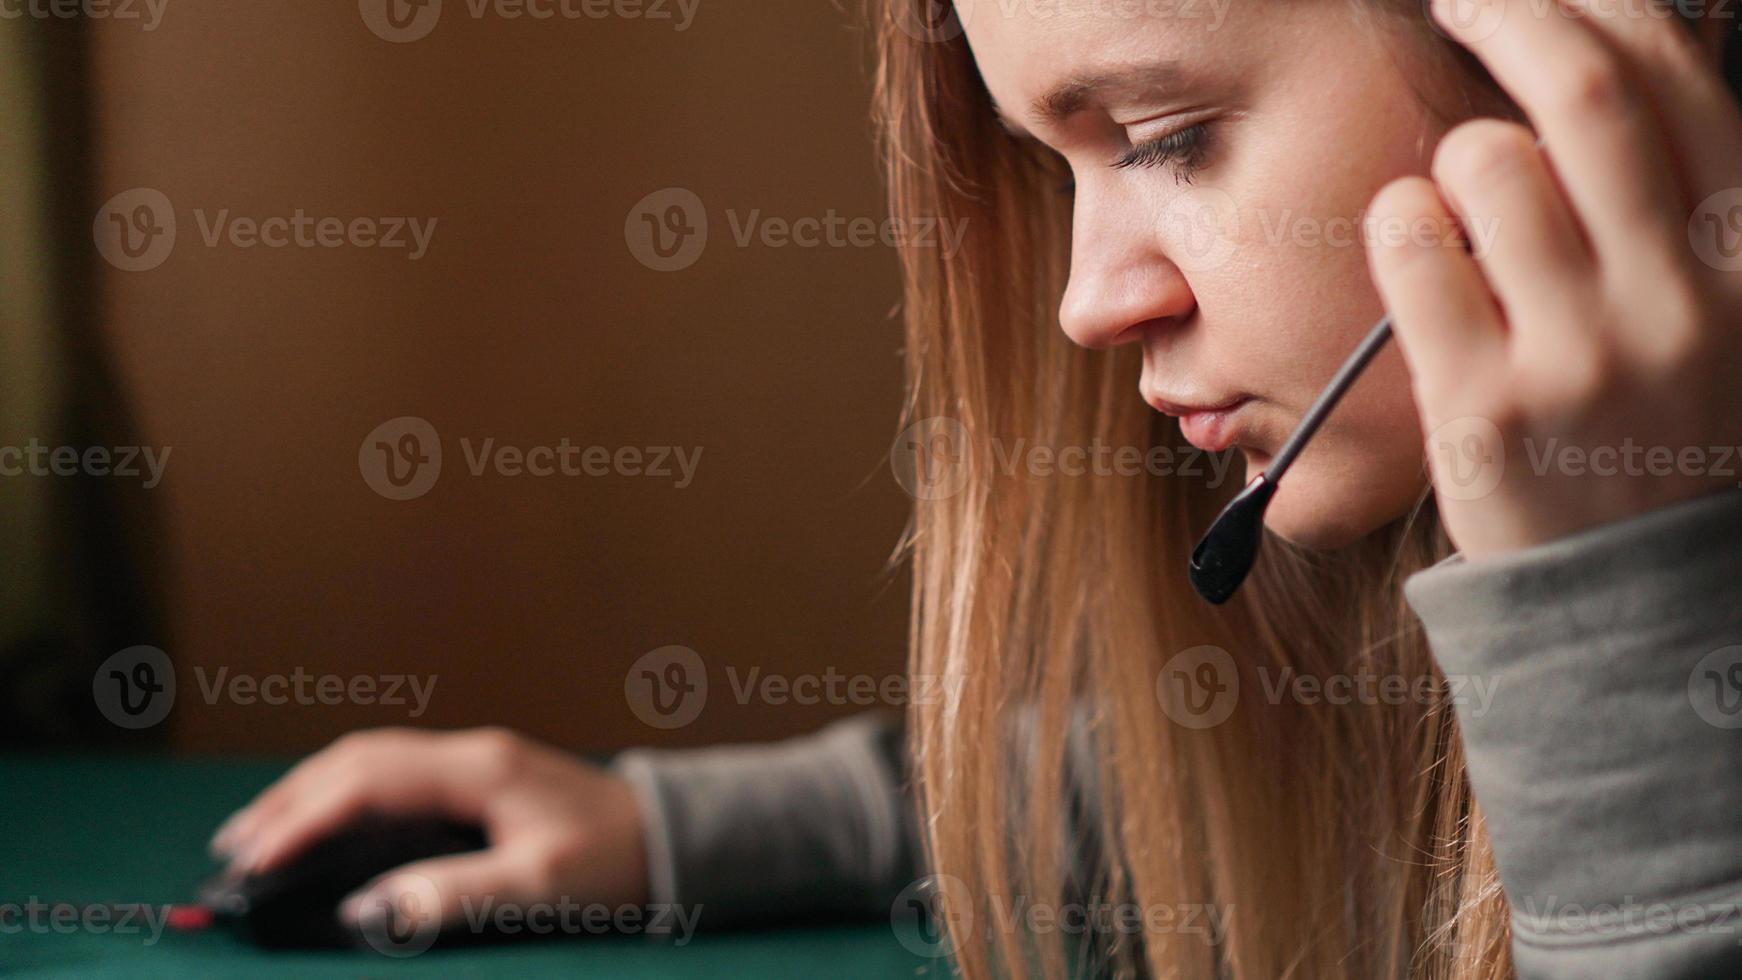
x=815, y=826
x=1607, y=752
x=820, y=825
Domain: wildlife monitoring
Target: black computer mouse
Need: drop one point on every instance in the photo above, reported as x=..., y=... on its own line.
x=296, y=906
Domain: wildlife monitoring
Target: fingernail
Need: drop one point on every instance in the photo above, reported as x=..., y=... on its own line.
x=248, y=858
x=365, y=909
x=350, y=908
x=224, y=838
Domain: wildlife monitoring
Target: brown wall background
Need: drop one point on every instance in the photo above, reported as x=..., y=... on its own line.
x=528, y=321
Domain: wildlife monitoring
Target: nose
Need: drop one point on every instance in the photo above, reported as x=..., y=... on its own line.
x=1121, y=278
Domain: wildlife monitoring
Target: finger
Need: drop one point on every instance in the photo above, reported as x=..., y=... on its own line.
x=417, y=779
x=1698, y=113
x=434, y=892
x=1527, y=243
x=226, y=838
x=310, y=818
x=1445, y=318
x=238, y=831
x=1598, y=128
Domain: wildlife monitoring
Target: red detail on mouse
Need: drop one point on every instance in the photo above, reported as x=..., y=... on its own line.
x=189, y=918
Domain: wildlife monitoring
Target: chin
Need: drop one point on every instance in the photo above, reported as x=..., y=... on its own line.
x=1325, y=505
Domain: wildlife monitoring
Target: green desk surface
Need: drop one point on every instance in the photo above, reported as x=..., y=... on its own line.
x=133, y=829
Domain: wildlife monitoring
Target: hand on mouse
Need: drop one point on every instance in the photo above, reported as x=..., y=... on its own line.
x=1596, y=330
x=558, y=827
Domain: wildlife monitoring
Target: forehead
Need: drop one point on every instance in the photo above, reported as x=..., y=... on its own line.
x=1025, y=48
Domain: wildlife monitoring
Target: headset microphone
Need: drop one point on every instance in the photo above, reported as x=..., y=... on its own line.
x=1227, y=552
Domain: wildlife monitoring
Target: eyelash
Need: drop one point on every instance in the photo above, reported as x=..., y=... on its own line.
x=1183, y=149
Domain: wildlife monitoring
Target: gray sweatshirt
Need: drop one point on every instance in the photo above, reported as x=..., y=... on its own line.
x=1607, y=759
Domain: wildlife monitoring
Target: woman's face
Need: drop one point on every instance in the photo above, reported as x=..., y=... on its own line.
x=1232, y=251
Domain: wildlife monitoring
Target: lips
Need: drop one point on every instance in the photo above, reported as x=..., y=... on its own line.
x=1210, y=426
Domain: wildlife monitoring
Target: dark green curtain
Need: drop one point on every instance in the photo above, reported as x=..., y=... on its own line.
x=77, y=555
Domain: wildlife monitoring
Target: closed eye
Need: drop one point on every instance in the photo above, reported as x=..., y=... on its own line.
x=1183, y=150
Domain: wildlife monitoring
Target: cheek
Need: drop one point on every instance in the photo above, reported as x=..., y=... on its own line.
x=1363, y=470
x=1294, y=311
x=1365, y=467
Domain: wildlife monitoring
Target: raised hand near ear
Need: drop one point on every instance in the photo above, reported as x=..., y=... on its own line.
x=1583, y=363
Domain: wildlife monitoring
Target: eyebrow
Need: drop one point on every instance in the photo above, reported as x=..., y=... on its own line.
x=1080, y=90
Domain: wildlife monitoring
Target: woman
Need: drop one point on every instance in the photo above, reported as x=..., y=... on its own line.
x=1163, y=181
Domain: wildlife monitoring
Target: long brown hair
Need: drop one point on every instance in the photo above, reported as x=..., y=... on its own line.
x=1339, y=841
